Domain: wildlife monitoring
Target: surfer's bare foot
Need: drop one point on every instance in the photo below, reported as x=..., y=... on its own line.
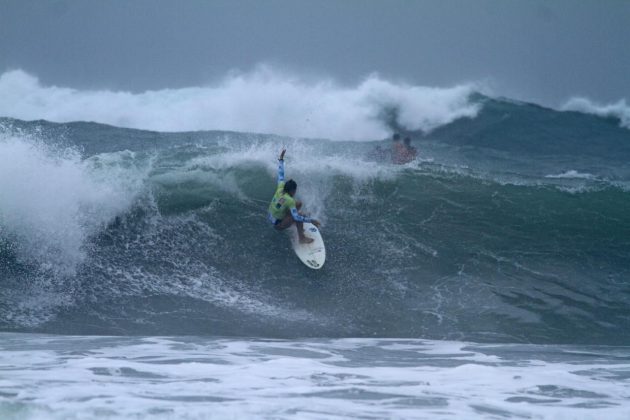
x=306, y=240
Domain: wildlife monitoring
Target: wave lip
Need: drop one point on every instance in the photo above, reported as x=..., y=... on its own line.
x=264, y=100
x=619, y=110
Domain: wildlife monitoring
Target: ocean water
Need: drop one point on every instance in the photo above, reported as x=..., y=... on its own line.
x=139, y=277
x=62, y=377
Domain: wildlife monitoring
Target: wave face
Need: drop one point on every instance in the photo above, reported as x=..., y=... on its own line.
x=513, y=226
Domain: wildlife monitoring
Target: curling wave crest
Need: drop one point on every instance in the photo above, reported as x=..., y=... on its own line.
x=264, y=100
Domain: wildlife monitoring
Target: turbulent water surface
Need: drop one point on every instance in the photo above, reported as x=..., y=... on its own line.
x=513, y=226
x=193, y=377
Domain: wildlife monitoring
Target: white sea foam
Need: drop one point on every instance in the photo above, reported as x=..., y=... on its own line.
x=43, y=377
x=264, y=100
x=619, y=109
x=51, y=199
x=571, y=174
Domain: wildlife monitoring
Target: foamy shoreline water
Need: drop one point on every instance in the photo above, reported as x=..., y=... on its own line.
x=44, y=376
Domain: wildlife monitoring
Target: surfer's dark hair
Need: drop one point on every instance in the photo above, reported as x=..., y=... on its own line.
x=290, y=186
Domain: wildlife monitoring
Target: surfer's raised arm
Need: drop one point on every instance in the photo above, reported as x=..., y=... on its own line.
x=284, y=209
x=281, y=166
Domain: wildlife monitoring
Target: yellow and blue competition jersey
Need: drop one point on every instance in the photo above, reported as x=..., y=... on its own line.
x=282, y=201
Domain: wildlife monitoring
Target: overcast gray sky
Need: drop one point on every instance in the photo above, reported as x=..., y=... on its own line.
x=544, y=51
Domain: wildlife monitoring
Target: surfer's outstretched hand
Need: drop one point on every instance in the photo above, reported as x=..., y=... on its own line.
x=282, y=154
x=316, y=223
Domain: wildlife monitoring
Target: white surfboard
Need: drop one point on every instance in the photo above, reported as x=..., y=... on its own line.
x=313, y=255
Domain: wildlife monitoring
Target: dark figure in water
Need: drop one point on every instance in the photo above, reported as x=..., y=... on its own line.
x=284, y=209
x=397, y=147
x=404, y=153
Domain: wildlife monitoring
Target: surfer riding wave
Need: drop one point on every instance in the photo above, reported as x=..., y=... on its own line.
x=284, y=209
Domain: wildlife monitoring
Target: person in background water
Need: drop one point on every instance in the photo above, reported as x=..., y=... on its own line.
x=284, y=209
x=409, y=152
x=399, y=154
x=397, y=148
x=403, y=152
